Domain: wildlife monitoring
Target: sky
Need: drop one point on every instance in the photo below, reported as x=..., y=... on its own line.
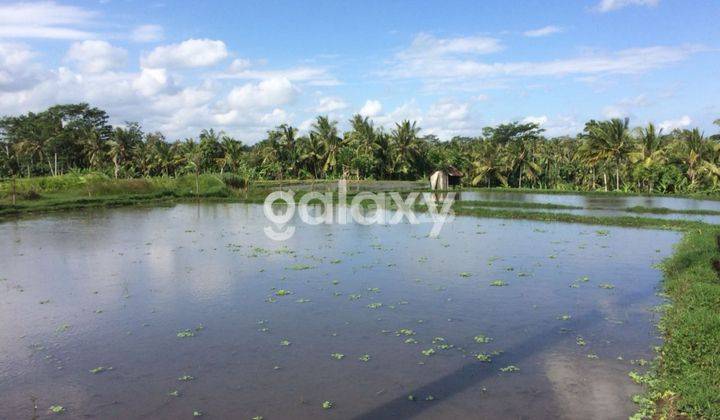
x=244, y=67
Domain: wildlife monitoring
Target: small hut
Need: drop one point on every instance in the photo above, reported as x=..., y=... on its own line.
x=444, y=179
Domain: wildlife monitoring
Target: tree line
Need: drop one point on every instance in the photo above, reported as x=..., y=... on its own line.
x=609, y=155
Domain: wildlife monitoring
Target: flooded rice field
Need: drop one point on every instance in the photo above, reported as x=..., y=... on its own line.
x=192, y=310
x=608, y=202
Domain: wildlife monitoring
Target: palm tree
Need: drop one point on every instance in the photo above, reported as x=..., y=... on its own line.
x=327, y=133
x=311, y=153
x=406, y=147
x=194, y=158
x=648, y=153
x=363, y=138
x=608, y=142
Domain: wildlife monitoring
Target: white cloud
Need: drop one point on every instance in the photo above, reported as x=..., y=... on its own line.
x=682, y=122
x=539, y=120
x=152, y=81
x=610, y=5
x=330, y=104
x=371, y=108
x=626, y=107
x=44, y=20
x=190, y=53
x=96, y=56
x=17, y=71
x=147, y=33
x=544, y=31
x=424, y=45
x=314, y=76
x=451, y=69
x=268, y=93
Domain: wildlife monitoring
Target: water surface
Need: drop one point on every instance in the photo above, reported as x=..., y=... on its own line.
x=112, y=288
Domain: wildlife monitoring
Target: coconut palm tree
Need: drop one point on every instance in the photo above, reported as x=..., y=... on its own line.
x=608, y=142
x=405, y=146
x=327, y=133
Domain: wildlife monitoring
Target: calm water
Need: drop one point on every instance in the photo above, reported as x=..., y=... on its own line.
x=113, y=289
x=590, y=201
x=604, y=205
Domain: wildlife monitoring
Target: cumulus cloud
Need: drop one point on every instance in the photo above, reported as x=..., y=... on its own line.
x=96, y=56
x=267, y=93
x=330, y=104
x=187, y=54
x=17, y=71
x=147, y=33
x=682, y=122
x=45, y=19
x=610, y=5
x=544, y=31
x=371, y=108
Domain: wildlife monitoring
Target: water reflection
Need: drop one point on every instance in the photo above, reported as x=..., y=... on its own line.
x=125, y=281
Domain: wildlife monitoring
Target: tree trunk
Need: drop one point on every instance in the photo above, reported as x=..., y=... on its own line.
x=117, y=166
x=605, y=180
x=617, y=178
x=520, y=179
x=13, y=190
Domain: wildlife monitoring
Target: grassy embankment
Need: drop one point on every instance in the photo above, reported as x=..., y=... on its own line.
x=686, y=378
x=685, y=381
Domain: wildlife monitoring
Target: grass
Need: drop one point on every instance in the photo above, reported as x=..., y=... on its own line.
x=686, y=376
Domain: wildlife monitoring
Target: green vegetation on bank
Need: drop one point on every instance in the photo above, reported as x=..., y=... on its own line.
x=685, y=381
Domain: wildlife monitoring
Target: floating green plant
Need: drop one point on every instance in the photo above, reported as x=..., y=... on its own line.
x=580, y=341
x=100, y=369
x=336, y=261
x=606, y=286
x=411, y=341
x=483, y=357
x=285, y=343
x=405, y=331
x=428, y=352
x=186, y=378
x=465, y=274
x=498, y=283
x=584, y=279
x=564, y=317
x=411, y=398
x=282, y=292
x=197, y=413
x=300, y=267
x=354, y=296
x=336, y=282
x=337, y=356
x=430, y=398
x=57, y=409
x=327, y=405
x=185, y=333
x=174, y=393
x=481, y=339
x=602, y=232
x=375, y=305
x=364, y=358
x=63, y=328
x=592, y=356
x=511, y=368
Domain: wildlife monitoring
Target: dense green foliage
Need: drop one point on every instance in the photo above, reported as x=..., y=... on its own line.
x=686, y=380
x=607, y=155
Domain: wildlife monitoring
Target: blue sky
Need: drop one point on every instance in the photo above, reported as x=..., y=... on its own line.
x=454, y=66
